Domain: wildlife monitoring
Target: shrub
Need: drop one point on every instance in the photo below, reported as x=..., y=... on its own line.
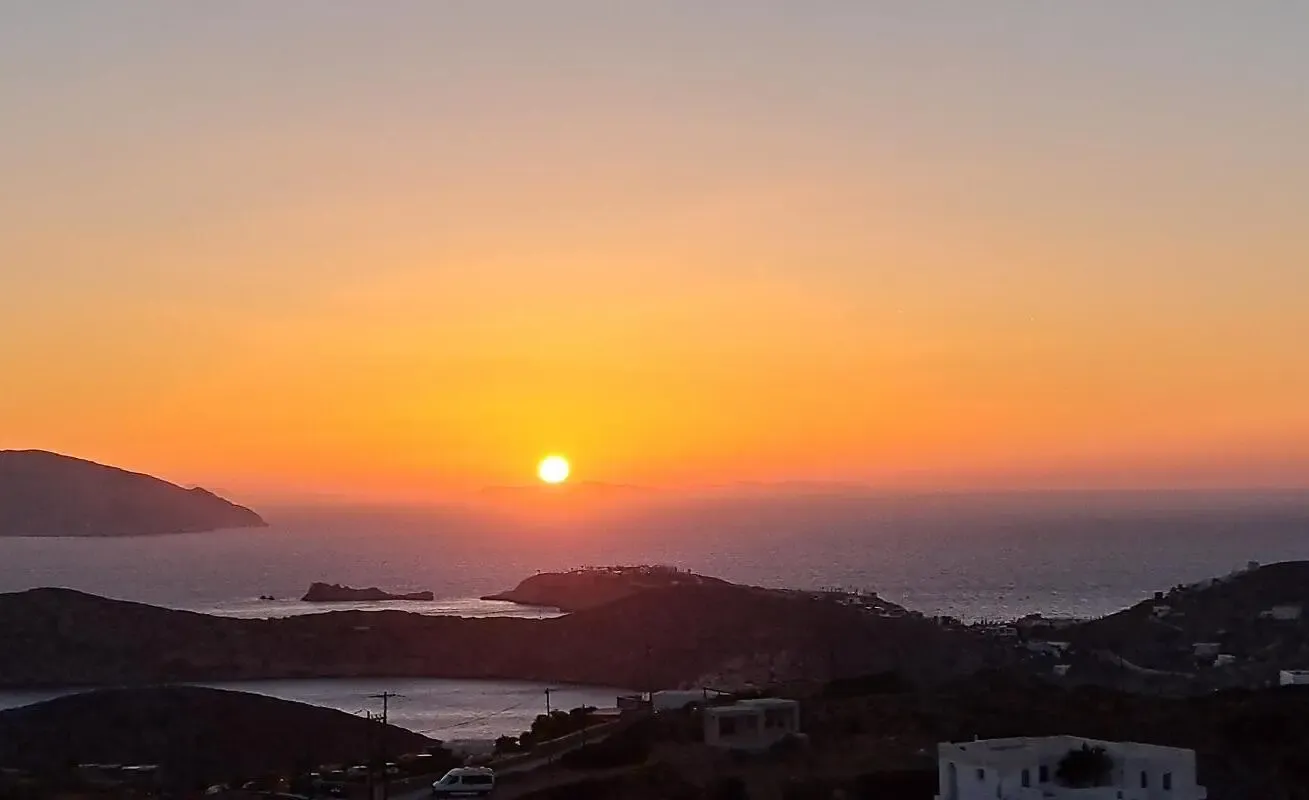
x=626, y=747
x=507, y=744
x=729, y=787
x=1084, y=767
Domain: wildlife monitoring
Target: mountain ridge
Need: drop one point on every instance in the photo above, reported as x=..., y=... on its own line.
x=43, y=493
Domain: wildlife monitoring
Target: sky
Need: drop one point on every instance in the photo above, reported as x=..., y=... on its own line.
x=403, y=249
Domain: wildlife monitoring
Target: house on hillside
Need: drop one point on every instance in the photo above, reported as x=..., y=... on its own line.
x=1293, y=677
x=1287, y=612
x=1068, y=767
x=678, y=699
x=751, y=725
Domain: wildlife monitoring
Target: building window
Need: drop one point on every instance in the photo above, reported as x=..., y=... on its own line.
x=1044, y=774
x=1168, y=781
x=981, y=774
x=1145, y=779
x=1027, y=778
x=726, y=726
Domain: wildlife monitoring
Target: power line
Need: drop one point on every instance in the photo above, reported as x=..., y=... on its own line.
x=476, y=720
x=385, y=697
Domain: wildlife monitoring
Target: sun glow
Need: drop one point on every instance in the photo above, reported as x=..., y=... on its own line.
x=553, y=469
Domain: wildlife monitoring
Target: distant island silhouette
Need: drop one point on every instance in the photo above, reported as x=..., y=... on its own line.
x=49, y=494
x=336, y=593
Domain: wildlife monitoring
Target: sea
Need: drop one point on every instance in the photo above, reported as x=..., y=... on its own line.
x=977, y=557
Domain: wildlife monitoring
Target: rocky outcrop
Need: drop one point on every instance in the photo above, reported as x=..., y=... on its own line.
x=595, y=586
x=336, y=593
x=47, y=494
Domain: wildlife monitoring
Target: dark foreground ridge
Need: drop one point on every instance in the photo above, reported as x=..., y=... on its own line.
x=209, y=733
x=336, y=593
x=47, y=494
x=871, y=738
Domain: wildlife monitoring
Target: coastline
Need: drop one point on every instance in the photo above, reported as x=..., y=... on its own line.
x=471, y=711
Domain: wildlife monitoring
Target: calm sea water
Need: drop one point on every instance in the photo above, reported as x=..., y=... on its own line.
x=973, y=557
x=453, y=711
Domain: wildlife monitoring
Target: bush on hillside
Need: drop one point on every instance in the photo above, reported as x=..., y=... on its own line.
x=730, y=787
x=507, y=745
x=889, y=682
x=624, y=748
x=555, y=725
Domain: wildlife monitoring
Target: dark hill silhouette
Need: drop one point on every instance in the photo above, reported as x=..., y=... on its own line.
x=591, y=587
x=1228, y=611
x=195, y=735
x=47, y=494
x=664, y=637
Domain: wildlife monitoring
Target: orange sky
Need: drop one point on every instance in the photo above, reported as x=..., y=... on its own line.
x=404, y=256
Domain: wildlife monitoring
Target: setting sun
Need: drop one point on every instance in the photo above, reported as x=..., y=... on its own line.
x=553, y=469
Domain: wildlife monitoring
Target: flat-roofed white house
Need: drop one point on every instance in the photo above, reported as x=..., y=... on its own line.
x=1293, y=677
x=751, y=724
x=1028, y=768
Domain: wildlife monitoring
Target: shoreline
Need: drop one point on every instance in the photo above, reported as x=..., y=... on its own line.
x=450, y=710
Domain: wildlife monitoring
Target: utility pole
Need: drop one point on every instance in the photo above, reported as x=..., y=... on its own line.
x=649, y=677
x=385, y=697
x=549, y=756
x=369, y=747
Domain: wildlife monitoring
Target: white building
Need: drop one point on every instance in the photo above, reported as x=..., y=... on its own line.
x=1294, y=677
x=751, y=724
x=1288, y=612
x=1206, y=649
x=1028, y=769
x=678, y=699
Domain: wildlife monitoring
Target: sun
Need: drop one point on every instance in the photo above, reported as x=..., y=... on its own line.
x=553, y=469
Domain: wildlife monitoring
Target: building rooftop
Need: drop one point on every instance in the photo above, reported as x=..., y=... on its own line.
x=752, y=706
x=1021, y=750
x=768, y=702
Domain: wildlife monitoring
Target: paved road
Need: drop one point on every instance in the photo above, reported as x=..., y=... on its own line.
x=529, y=782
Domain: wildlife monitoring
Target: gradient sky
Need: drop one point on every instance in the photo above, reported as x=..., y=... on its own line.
x=399, y=249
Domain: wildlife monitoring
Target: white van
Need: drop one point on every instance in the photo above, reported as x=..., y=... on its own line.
x=465, y=782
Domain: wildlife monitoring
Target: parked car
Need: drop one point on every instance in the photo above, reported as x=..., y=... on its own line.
x=465, y=782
